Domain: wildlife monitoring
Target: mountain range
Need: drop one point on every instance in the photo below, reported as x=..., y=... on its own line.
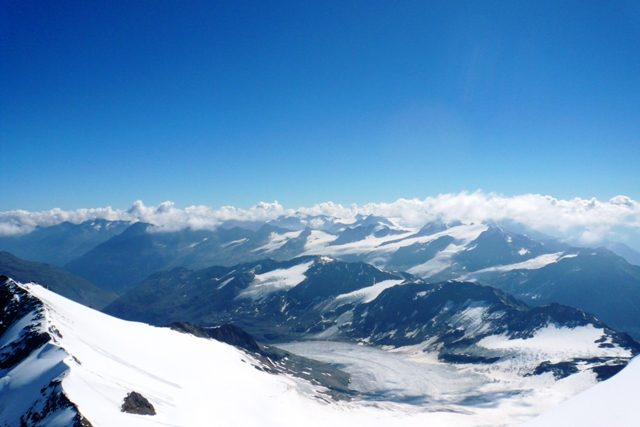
x=463, y=323
x=64, y=364
x=538, y=271
x=323, y=298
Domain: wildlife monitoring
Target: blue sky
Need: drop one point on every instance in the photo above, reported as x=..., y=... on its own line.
x=232, y=103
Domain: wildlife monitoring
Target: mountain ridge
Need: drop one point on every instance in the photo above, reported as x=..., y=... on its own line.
x=57, y=279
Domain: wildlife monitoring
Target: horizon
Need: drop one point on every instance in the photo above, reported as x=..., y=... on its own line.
x=581, y=222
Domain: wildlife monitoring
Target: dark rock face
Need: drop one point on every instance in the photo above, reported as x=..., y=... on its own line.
x=563, y=369
x=52, y=402
x=594, y=280
x=214, y=296
x=16, y=303
x=227, y=333
x=135, y=403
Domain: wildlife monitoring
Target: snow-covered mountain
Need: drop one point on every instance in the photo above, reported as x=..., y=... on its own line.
x=324, y=298
x=102, y=251
x=594, y=280
x=63, y=364
x=445, y=250
x=437, y=249
x=538, y=271
x=270, y=299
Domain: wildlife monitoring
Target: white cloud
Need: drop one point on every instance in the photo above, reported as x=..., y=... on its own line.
x=579, y=220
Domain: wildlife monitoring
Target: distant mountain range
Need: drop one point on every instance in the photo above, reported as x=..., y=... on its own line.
x=496, y=319
x=61, y=243
x=537, y=271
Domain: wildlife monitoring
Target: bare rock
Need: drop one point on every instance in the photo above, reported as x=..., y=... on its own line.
x=135, y=403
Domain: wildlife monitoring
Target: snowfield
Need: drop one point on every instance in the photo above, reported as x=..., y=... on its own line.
x=556, y=344
x=190, y=381
x=276, y=241
x=532, y=264
x=368, y=294
x=379, y=249
x=611, y=403
x=409, y=380
x=195, y=382
x=276, y=280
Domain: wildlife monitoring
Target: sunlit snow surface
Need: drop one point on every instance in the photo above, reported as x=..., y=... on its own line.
x=367, y=294
x=531, y=264
x=556, y=344
x=611, y=403
x=380, y=249
x=190, y=381
x=196, y=382
x=275, y=280
x=496, y=394
x=276, y=241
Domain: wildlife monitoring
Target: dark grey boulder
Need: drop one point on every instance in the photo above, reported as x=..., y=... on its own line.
x=135, y=403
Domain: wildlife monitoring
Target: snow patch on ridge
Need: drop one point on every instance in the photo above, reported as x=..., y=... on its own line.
x=368, y=294
x=558, y=344
x=531, y=264
x=276, y=241
x=232, y=243
x=439, y=263
x=318, y=239
x=276, y=280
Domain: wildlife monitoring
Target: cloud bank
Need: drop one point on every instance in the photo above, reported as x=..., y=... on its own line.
x=578, y=220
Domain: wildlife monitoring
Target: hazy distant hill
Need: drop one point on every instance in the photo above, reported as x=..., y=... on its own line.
x=124, y=260
x=620, y=249
x=594, y=280
x=55, y=278
x=62, y=243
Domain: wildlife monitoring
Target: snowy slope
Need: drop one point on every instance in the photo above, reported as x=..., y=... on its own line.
x=378, y=250
x=92, y=361
x=276, y=280
x=63, y=364
x=611, y=403
x=464, y=251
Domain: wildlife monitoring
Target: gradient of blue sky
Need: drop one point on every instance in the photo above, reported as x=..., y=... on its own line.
x=231, y=103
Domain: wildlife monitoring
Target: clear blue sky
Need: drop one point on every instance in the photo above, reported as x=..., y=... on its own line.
x=231, y=103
